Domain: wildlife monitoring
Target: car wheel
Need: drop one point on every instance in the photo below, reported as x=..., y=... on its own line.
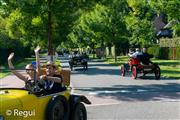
x=134, y=72
x=57, y=109
x=123, y=70
x=79, y=112
x=157, y=72
x=71, y=67
x=86, y=66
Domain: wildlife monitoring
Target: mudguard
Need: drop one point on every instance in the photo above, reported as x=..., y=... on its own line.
x=77, y=99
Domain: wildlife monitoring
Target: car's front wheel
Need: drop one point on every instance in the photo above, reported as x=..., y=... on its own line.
x=79, y=112
x=57, y=109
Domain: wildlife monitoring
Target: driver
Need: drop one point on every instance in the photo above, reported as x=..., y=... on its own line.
x=53, y=81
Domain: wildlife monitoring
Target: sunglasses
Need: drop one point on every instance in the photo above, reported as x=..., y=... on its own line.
x=29, y=70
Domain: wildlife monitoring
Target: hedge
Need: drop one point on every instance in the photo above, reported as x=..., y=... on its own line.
x=19, y=50
x=164, y=52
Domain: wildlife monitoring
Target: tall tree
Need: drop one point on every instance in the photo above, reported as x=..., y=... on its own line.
x=140, y=24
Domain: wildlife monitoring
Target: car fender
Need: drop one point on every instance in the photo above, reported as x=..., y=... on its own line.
x=77, y=99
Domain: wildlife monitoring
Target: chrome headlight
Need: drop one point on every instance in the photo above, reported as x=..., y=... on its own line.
x=1, y=117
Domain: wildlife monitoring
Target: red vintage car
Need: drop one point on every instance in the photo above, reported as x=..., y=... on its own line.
x=135, y=66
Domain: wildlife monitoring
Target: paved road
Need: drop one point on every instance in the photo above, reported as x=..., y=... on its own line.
x=115, y=97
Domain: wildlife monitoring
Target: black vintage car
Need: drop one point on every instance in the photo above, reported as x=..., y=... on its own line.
x=78, y=61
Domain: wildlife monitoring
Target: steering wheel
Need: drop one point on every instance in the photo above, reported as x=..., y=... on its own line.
x=32, y=87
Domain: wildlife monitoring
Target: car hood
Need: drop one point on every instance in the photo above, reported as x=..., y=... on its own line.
x=9, y=100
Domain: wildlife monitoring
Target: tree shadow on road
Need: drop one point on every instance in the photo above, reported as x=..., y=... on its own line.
x=96, y=71
x=130, y=93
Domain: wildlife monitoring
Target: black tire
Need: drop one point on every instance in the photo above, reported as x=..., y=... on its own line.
x=79, y=112
x=71, y=67
x=57, y=109
x=86, y=66
x=157, y=72
x=134, y=72
x=123, y=70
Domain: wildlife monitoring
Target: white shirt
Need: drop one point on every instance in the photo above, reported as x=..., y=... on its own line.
x=134, y=55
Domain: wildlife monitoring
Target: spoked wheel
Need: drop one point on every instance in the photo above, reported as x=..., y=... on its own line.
x=85, y=66
x=122, y=70
x=157, y=72
x=134, y=72
x=71, y=67
x=79, y=112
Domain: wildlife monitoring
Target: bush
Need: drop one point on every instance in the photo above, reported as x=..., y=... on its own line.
x=164, y=52
x=154, y=50
x=16, y=47
x=170, y=56
x=159, y=52
x=178, y=53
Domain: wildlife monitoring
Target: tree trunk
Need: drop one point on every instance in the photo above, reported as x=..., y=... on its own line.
x=115, y=55
x=50, y=50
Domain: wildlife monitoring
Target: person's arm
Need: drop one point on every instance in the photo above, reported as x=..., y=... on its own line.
x=38, y=67
x=11, y=67
x=129, y=54
x=55, y=79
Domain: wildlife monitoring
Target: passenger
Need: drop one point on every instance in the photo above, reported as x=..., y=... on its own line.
x=130, y=52
x=30, y=69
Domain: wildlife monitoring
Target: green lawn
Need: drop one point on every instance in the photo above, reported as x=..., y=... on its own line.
x=4, y=71
x=169, y=68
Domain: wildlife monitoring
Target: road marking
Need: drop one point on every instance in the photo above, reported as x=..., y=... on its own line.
x=105, y=104
x=116, y=91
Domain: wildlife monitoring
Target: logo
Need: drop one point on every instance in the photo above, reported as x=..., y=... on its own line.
x=22, y=113
x=8, y=112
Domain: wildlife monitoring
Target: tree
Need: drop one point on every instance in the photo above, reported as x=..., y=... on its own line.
x=140, y=24
x=102, y=25
x=171, y=9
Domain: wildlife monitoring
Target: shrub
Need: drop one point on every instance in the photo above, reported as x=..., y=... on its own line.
x=13, y=46
x=178, y=53
x=159, y=52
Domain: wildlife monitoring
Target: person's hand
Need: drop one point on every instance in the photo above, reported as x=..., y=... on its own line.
x=36, y=50
x=10, y=56
x=43, y=77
